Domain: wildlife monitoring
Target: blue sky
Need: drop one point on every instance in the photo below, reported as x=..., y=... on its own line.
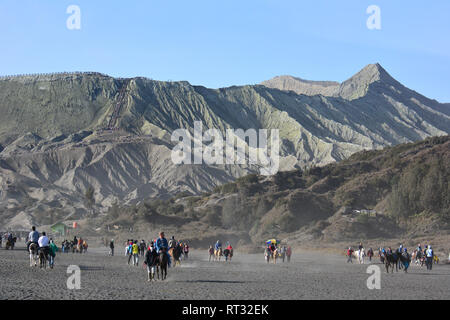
x=231, y=42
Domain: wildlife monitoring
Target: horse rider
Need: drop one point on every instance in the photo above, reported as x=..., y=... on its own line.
x=43, y=243
x=161, y=244
x=272, y=247
x=33, y=237
x=172, y=243
x=218, y=245
x=360, y=247
x=429, y=254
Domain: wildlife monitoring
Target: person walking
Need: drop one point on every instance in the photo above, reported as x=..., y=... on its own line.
x=349, y=255
x=186, y=251
x=111, y=248
x=150, y=260
x=135, y=252
x=429, y=254
x=53, y=248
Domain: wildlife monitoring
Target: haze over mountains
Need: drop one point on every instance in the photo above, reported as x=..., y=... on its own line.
x=53, y=145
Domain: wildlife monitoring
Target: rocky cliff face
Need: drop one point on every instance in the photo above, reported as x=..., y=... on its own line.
x=53, y=142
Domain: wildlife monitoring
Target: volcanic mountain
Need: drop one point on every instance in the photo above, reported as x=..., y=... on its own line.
x=64, y=134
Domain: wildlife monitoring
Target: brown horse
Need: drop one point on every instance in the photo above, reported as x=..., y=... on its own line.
x=217, y=254
x=275, y=255
x=10, y=244
x=390, y=260
x=43, y=257
x=175, y=253
x=161, y=264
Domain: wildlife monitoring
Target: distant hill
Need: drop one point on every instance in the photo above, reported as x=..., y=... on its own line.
x=398, y=192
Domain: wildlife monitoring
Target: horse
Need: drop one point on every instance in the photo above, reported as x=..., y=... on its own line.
x=390, y=260
x=435, y=259
x=10, y=244
x=227, y=254
x=267, y=255
x=382, y=256
x=161, y=264
x=405, y=260
x=43, y=257
x=360, y=254
x=33, y=250
x=275, y=255
x=175, y=253
x=217, y=254
x=80, y=247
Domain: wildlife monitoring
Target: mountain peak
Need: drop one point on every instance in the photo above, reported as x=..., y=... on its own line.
x=357, y=86
x=302, y=86
x=353, y=88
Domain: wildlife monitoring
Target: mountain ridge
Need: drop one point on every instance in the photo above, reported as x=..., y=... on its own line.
x=105, y=119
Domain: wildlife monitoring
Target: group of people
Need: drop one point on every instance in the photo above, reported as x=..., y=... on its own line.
x=272, y=250
x=133, y=249
x=9, y=239
x=44, y=244
x=76, y=245
x=216, y=250
x=423, y=256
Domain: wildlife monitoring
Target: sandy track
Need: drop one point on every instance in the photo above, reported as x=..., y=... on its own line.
x=308, y=276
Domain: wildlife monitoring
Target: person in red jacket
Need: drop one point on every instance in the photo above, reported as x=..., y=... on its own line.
x=349, y=255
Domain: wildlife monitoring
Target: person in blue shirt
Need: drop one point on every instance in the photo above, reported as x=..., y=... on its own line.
x=163, y=244
x=218, y=245
x=33, y=237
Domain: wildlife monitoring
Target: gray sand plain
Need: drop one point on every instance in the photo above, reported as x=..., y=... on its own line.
x=309, y=275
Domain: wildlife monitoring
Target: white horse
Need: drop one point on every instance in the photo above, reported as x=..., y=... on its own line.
x=360, y=254
x=33, y=249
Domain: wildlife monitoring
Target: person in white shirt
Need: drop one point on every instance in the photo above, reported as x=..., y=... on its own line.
x=44, y=243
